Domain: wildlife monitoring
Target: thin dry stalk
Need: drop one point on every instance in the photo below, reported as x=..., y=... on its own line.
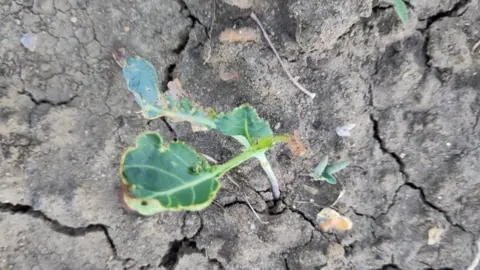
x=211, y=159
x=247, y=201
x=474, y=48
x=475, y=261
x=210, y=40
x=292, y=79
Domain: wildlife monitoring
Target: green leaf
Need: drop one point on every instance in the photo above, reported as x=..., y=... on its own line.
x=334, y=168
x=400, y=8
x=158, y=178
x=142, y=81
x=329, y=178
x=243, y=121
x=317, y=172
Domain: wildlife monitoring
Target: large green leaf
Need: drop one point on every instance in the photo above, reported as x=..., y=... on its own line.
x=244, y=122
x=157, y=177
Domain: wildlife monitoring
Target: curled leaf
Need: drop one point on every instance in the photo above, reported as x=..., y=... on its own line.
x=172, y=177
x=142, y=81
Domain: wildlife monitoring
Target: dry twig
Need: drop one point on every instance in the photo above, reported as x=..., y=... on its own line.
x=210, y=43
x=293, y=80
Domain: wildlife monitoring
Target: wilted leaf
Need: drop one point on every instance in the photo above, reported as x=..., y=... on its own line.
x=142, y=80
x=172, y=177
x=243, y=121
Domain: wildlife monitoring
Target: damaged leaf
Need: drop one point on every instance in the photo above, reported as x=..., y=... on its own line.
x=166, y=177
x=172, y=177
x=142, y=81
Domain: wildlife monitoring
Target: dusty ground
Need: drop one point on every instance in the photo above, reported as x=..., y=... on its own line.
x=413, y=91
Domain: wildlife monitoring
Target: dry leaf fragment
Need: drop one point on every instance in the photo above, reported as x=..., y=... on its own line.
x=244, y=34
x=330, y=219
x=296, y=145
x=344, y=131
x=435, y=235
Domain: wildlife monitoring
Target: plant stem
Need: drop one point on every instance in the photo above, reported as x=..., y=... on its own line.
x=234, y=162
x=198, y=120
x=271, y=175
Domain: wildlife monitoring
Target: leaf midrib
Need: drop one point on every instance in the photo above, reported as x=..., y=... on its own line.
x=183, y=186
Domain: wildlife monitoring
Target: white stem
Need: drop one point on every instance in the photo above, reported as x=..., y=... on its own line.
x=293, y=80
x=271, y=175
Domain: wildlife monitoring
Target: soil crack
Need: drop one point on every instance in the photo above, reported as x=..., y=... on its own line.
x=57, y=226
x=187, y=245
x=47, y=101
x=381, y=143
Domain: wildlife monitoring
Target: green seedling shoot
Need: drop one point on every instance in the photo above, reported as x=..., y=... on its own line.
x=324, y=172
x=160, y=177
x=400, y=8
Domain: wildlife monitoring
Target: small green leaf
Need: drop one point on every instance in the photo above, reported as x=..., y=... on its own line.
x=329, y=178
x=317, y=172
x=161, y=178
x=142, y=80
x=334, y=168
x=400, y=8
x=243, y=121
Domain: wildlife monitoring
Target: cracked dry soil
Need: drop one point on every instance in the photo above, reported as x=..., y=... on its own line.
x=413, y=91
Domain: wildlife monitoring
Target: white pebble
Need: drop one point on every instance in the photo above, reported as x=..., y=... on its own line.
x=73, y=19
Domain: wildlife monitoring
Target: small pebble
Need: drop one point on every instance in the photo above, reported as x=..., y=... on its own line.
x=402, y=155
x=277, y=126
x=449, y=144
x=73, y=19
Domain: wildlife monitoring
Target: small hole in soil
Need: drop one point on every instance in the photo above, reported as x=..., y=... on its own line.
x=144, y=203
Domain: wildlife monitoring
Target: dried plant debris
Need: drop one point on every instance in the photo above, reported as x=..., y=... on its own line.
x=330, y=220
x=244, y=34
